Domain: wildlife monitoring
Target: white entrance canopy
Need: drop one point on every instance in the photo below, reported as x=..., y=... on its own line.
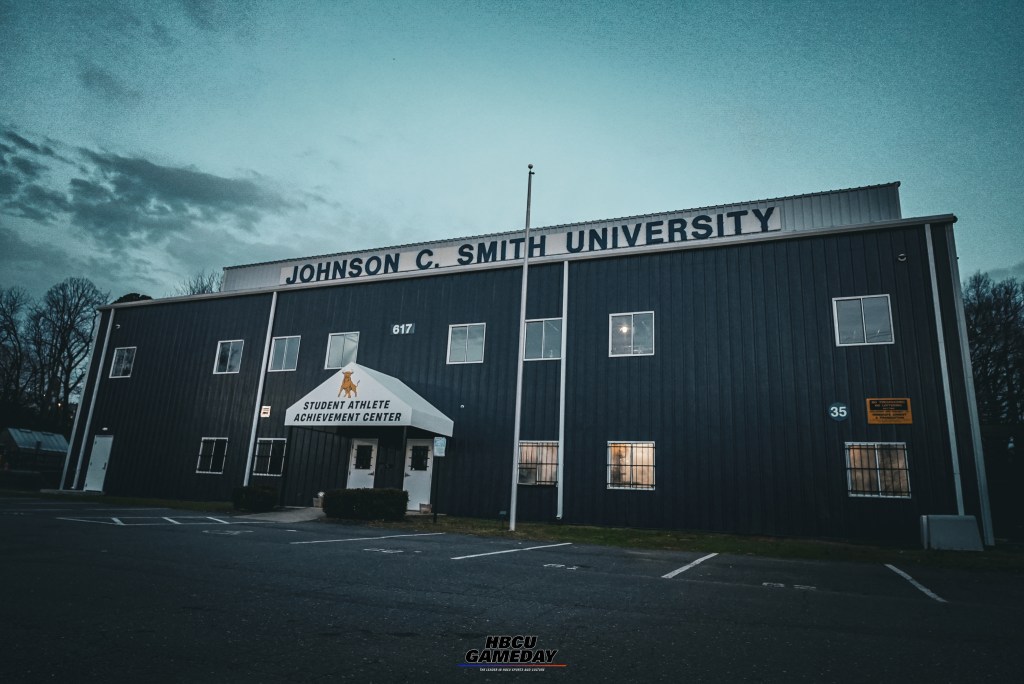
x=360, y=396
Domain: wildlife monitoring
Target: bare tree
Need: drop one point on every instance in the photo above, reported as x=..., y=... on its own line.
x=200, y=283
x=14, y=367
x=994, y=314
x=58, y=333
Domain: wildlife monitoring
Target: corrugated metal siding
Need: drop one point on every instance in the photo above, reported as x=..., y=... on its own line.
x=172, y=399
x=478, y=397
x=735, y=396
x=841, y=208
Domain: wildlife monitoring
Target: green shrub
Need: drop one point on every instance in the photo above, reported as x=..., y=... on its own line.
x=256, y=498
x=366, y=504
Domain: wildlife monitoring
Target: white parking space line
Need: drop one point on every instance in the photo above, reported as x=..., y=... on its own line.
x=688, y=566
x=495, y=553
x=390, y=536
x=171, y=520
x=925, y=590
x=223, y=522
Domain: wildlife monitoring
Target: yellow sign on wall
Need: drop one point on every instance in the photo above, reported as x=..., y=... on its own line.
x=889, y=411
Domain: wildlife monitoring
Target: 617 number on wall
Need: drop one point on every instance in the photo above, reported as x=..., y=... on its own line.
x=403, y=328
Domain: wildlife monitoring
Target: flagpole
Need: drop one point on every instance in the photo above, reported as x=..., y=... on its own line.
x=522, y=353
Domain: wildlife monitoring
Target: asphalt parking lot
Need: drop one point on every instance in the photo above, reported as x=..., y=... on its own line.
x=101, y=593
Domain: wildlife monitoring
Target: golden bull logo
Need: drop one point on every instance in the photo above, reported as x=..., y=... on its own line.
x=348, y=387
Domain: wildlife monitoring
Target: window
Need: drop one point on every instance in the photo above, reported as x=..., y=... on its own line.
x=543, y=339
x=124, y=359
x=862, y=320
x=269, y=457
x=877, y=469
x=284, y=353
x=630, y=465
x=341, y=349
x=538, y=463
x=466, y=343
x=229, y=357
x=631, y=334
x=212, y=454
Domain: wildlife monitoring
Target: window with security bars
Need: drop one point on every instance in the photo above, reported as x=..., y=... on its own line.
x=269, y=458
x=213, y=452
x=538, y=463
x=877, y=469
x=630, y=465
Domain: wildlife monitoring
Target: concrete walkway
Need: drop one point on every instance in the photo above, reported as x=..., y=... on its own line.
x=288, y=515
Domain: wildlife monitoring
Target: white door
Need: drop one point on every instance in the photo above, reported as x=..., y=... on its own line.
x=97, y=471
x=362, y=463
x=419, y=459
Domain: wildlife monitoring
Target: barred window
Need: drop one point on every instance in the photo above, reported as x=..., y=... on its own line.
x=631, y=334
x=229, y=357
x=862, y=320
x=124, y=360
x=630, y=465
x=213, y=453
x=269, y=457
x=878, y=469
x=538, y=463
x=543, y=339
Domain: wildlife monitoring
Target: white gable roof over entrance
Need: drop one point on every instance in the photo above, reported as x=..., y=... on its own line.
x=360, y=396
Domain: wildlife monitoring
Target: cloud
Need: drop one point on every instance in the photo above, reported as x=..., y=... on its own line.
x=128, y=200
x=1015, y=271
x=105, y=84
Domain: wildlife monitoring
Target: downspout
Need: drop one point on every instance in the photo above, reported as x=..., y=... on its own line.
x=972, y=402
x=259, y=389
x=561, y=391
x=953, y=451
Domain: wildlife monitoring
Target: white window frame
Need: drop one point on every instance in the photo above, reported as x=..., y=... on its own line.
x=483, y=351
x=863, y=324
x=901, y=446
x=216, y=359
x=631, y=487
x=114, y=364
x=270, y=359
x=611, y=332
x=199, y=460
x=543, y=334
x=256, y=456
x=327, y=356
x=536, y=466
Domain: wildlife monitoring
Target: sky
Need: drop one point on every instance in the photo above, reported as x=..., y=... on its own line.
x=143, y=142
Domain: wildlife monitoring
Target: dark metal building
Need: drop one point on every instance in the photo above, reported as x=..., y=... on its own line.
x=795, y=366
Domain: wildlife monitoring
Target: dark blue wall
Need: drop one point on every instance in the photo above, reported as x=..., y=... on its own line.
x=735, y=397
